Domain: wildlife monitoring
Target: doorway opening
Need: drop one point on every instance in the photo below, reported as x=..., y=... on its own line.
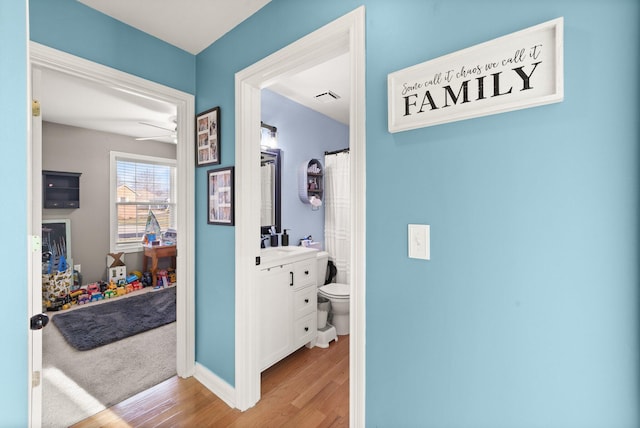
x=345, y=35
x=45, y=58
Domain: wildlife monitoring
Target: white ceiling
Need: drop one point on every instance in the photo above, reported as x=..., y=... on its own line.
x=303, y=88
x=76, y=102
x=191, y=25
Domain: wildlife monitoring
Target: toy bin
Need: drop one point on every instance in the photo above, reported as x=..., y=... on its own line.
x=57, y=284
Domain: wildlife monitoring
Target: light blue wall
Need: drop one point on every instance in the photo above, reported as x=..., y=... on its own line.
x=72, y=27
x=527, y=314
x=303, y=134
x=13, y=151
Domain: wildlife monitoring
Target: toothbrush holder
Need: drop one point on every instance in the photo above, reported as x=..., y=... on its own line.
x=274, y=240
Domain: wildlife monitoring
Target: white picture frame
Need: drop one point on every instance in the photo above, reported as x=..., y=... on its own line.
x=520, y=70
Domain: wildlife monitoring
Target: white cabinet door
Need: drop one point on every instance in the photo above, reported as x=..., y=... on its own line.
x=276, y=321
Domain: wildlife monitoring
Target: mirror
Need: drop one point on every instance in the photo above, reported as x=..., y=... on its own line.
x=270, y=212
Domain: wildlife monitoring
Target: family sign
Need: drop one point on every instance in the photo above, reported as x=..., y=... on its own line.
x=520, y=70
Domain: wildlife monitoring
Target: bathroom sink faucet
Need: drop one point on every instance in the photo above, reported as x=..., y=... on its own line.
x=262, y=239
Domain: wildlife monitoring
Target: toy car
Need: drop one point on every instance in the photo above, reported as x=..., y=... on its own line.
x=75, y=294
x=59, y=304
x=93, y=288
x=147, y=281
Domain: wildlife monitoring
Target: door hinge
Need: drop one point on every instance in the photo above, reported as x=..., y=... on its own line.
x=35, y=379
x=35, y=108
x=36, y=244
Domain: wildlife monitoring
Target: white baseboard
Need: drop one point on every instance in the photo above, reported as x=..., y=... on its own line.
x=215, y=384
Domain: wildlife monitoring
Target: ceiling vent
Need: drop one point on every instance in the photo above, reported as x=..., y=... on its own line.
x=327, y=97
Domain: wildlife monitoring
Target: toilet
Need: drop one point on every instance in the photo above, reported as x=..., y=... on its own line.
x=338, y=295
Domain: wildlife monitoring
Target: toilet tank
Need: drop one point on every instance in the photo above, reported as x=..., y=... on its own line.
x=323, y=259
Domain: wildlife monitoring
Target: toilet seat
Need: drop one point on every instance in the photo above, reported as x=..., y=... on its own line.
x=335, y=290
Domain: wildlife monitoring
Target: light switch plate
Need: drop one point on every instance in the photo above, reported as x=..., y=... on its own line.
x=419, y=241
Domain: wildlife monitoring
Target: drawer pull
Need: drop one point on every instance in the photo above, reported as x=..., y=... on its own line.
x=306, y=272
x=306, y=300
x=306, y=329
x=291, y=283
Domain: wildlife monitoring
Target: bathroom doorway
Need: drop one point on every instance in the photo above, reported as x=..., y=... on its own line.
x=345, y=35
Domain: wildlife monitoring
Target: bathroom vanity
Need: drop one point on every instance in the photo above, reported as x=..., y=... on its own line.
x=288, y=302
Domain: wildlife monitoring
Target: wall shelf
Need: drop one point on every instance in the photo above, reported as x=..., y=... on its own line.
x=311, y=181
x=60, y=189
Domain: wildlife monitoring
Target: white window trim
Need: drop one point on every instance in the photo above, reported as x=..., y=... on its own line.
x=113, y=218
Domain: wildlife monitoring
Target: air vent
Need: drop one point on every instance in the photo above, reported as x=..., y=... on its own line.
x=327, y=97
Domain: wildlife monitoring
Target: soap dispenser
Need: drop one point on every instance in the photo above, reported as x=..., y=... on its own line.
x=285, y=239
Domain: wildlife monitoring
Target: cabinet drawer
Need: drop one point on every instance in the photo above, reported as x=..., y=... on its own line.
x=53, y=204
x=305, y=273
x=305, y=329
x=304, y=301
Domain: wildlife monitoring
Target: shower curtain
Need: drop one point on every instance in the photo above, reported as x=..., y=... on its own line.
x=337, y=227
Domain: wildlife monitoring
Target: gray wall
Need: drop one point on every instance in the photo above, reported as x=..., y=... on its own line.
x=67, y=148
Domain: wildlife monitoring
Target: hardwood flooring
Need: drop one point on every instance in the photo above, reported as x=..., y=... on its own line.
x=310, y=388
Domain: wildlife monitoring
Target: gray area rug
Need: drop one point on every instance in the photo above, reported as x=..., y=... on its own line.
x=100, y=324
x=79, y=384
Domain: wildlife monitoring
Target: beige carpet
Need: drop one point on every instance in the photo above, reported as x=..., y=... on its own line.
x=78, y=384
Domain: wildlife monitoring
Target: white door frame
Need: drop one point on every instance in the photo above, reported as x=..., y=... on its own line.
x=34, y=258
x=346, y=34
x=43, y=57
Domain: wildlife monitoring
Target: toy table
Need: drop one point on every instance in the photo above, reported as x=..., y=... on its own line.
x=155, y=253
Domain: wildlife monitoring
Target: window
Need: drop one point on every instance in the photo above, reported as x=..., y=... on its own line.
x=140, y=184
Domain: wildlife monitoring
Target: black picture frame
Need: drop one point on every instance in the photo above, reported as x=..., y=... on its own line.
x=208, y=137
x=220, y=199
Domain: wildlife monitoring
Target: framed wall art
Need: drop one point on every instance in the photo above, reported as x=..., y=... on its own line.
x=56, y=238
x=208, y=137
x=520, y=70
x=220, y=196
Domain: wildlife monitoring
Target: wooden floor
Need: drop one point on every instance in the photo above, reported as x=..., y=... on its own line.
x=310, y=388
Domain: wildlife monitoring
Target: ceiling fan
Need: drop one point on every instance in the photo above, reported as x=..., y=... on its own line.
x=172, y=131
